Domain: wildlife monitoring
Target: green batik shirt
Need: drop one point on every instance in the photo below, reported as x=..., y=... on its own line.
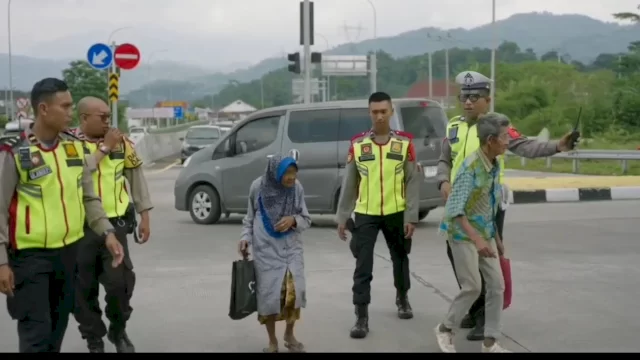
x=476, y=194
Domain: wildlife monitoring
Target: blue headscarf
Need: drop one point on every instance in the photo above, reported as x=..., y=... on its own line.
x=275, y=200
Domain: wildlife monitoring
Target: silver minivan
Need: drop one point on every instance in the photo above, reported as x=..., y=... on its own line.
x=216, y=180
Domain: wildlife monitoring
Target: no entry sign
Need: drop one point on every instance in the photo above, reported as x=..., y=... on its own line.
x=126, y=56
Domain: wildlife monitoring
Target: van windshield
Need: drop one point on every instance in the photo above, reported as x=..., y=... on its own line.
x=424, y=122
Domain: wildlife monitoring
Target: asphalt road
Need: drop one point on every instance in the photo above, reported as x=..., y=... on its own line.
x=575, y=270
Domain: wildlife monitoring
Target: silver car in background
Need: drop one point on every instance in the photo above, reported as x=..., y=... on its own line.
x=216, y=180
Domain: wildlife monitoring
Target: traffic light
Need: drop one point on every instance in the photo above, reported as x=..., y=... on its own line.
x=316, y=58
x=295, y=59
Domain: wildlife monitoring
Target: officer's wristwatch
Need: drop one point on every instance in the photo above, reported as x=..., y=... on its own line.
x=104, y=149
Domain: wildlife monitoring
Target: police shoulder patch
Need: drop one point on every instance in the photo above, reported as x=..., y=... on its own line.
x=513, y=133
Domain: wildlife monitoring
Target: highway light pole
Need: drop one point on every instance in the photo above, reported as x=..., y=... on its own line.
x=306, y=36
x=10, y=62
x=493, y=56
x=374, y=76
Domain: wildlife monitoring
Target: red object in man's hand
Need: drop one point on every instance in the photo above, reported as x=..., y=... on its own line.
x=505, y=264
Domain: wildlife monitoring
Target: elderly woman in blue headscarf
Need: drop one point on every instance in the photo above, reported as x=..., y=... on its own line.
x=276, y=217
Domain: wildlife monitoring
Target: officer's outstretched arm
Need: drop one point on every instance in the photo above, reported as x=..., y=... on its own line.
x=348, y=190
x=444, y=163
x=94, y=213
x=412, y=179
x=8, y=183
x=524, y=147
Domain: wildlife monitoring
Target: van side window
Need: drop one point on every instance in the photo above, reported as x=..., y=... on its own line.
x=353, y=122
x=256, y=135
x=424, y=122
x=313, y=126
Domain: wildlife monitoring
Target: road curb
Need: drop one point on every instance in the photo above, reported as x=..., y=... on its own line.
x=574, y=194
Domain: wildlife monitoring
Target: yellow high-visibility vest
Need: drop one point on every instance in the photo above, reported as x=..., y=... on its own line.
x=464, y=141
x=109, y=181
x=381, y=190
x=47, y=210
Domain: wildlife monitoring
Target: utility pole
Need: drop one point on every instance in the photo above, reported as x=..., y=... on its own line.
x=306, y=29
x=430, y=75
x=492, y=90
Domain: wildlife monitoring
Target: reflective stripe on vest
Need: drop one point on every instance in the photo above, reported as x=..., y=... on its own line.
x=108, y=181
x=464, y=144
x=47, y=210
x=381, y=167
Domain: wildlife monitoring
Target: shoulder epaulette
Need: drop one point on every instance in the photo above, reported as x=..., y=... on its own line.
x=358, y=136
x=70, y=133
x=10, y=142
x=456, y=118
x=404, y=134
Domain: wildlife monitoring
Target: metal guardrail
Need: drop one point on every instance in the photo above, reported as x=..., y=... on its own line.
x=624, y=156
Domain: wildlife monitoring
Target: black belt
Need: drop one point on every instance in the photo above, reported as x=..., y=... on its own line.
x=130, y=218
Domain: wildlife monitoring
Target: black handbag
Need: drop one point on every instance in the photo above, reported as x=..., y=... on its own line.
x=244, y=301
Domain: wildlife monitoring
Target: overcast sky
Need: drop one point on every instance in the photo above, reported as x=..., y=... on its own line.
x=246, y=31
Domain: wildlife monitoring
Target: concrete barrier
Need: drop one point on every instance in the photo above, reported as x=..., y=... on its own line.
x=153, y=147
x=162, y=143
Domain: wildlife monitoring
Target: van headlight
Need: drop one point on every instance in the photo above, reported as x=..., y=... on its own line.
x=186, y=162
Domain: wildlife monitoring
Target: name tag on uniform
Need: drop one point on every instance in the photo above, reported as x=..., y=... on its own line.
x=40, y=172
x=393, y=156
x=367, y=157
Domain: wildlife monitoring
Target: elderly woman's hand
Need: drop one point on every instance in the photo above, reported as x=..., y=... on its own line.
x=243, y=248
x=285, y=224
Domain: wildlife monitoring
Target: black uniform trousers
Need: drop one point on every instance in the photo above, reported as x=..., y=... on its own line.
x=478, y=307
x=94, y=268
x=362, y=246
x=43, y=297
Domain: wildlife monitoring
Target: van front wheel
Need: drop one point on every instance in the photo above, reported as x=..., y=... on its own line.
x=204, y=205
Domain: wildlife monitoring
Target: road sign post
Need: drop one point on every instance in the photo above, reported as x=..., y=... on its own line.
x=99, y=56
x=113, y=85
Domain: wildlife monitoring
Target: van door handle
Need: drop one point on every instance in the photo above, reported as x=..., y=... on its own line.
x=295, y=154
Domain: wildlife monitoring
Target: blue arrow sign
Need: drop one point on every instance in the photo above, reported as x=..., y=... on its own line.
x=99, y=56
x=178, y=114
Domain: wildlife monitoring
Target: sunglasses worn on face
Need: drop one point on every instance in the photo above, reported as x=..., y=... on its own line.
x=472, y=97
x=103, y=117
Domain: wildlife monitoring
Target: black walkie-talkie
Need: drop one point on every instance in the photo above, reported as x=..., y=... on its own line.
x=575, y=134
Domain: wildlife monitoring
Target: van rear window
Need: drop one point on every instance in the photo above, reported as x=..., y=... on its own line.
x=423, y=122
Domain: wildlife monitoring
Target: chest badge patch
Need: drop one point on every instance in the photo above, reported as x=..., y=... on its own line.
x=36, y=159
x=366, y=149
x=396, y=147
x=70, y=150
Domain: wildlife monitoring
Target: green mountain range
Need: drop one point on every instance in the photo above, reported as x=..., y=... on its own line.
x=575, y=37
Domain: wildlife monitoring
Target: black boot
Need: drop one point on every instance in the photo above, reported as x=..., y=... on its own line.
x=121, y=341
x=404, y=308
x=477, y=333
x=468, y=322
x=95, y=346
x=361, y=327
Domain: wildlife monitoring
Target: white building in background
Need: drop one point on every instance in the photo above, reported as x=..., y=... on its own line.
x=236, y=110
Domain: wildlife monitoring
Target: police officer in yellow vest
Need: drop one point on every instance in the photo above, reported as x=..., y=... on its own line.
x=381, y=183
x=461, y=141
x=114, y=159
x=46, y=194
